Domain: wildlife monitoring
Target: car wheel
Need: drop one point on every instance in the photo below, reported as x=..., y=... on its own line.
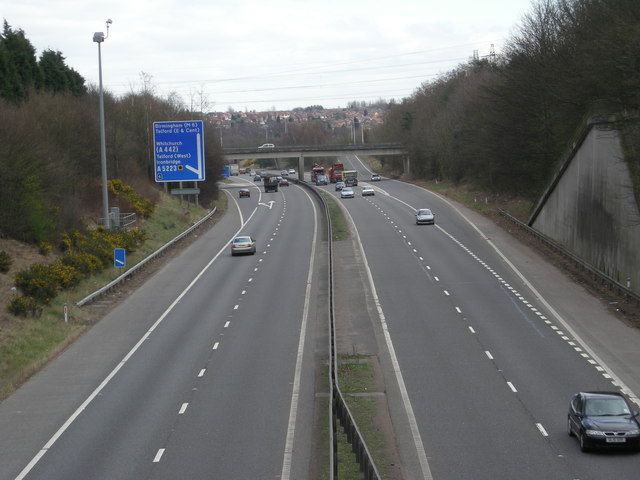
x=584, y=446
x=569, y=431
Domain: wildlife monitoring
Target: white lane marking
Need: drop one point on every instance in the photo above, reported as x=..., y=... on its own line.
x=458, y=310
x=446, y=293
x=542, y=430
x=295, y=394
x=243, y=292
x=183, y=408
x=488, y=353
x=201, y=373
x=236, y=307
x=215, y=345
x=513, y=389
x=25, y=471
x=471, y=329
x=413, y=424
x=158, y=456
x=226, y=324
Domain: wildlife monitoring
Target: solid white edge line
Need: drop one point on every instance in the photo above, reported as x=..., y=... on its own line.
x=25, y=471
x=413, y=424
x=295, y=394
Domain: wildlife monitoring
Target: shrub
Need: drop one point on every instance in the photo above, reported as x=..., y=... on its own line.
x=35, y=283
x=5, y=262
x=44, y=248
x=84, y=263
x=142, y=206
x=23, y=306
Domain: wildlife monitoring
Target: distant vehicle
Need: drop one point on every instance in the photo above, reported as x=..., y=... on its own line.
x=350, y=178
x=243, y=244
x=284, y=173
x=425, y=216
x=267, y=145
x=603, y=419
x=283, y=182
x=233, y=169
x=292, y=171
x=271, y=183
x=242, y=170
x=244, y=192
x=316, y=171
x=257, y=178
x=340, y=185
x=335, y=172
x=347, y=192
x=375, y=177
x=367, y=191
x=322, y=180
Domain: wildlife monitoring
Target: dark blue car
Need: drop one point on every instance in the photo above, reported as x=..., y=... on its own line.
x=603, y=419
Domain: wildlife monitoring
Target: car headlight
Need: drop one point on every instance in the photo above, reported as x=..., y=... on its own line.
x=633, y=433
x=594, y=433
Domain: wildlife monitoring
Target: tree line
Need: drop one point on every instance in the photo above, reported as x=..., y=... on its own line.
x=50, y=170
x=503, y=122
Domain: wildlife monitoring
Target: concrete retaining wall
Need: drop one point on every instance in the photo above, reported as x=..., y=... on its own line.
x=590, y=208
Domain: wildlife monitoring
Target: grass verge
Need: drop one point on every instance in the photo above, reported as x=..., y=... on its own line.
x=340, y=229
x=356, y=378
x=28, y=344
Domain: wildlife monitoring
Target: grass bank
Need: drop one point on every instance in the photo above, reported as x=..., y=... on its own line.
x=26, y=344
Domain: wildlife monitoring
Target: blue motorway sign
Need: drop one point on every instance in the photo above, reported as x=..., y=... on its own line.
x=178, y=151
x=119, y=257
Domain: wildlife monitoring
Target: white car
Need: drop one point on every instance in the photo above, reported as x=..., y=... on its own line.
x=292, y=171
x=347, y=192
x=366, y=191
x=267, y=145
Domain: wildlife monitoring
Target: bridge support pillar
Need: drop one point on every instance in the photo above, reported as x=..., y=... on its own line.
x=301, y=167
x=407, y=165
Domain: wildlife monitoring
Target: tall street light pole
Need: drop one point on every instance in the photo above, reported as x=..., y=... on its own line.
x=100, y=37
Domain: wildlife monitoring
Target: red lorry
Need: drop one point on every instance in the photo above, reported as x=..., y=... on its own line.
x=335, y=172
x=315, y=171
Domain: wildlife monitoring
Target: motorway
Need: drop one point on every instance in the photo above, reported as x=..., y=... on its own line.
x=210, y=370
x=485, y=366
x=205, y=372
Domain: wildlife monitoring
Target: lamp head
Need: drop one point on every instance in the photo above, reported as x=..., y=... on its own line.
x=98, y=37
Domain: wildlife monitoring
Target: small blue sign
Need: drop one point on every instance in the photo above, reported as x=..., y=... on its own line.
x=178, y=151
x=119, y=257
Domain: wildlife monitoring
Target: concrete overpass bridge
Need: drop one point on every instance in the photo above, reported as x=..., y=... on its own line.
x=233, y=155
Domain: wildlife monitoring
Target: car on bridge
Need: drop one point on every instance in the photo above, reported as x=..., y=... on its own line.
x=267, y=145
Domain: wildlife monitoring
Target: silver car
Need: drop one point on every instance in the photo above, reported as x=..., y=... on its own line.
x=243, y=244
x=347, y=192
x=424, y=216
x=366, y=191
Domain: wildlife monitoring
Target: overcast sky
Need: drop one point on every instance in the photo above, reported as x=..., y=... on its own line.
x=268, y=54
